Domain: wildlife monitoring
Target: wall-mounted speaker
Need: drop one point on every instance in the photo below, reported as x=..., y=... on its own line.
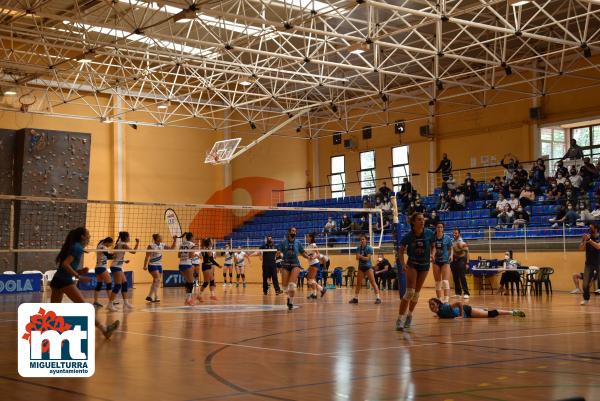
x=425, y=130
x=337, y=138
x=399, y=127
x=367, y=132
x=348, y=144
x=535, y=113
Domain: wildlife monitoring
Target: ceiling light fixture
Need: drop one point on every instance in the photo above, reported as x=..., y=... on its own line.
x=518, y=3
x=10, y=92
x=359, y=48
x=247, y=81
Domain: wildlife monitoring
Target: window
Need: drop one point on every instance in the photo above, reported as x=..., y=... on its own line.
x=400, y=167
x=338, y=177
x=367, y=172
x=553, y=144
x=589, y=139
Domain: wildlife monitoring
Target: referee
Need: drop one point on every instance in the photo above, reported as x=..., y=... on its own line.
x=590, y=243
x=269, y=267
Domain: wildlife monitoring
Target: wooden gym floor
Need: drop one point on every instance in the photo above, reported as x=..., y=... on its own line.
x=326, y=350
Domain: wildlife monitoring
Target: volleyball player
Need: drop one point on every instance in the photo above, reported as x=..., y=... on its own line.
x=185, y=266
x=153, y=263
x=116, y=268
x=240, y=259
x=441, y=263
x=365, y=268
x=196, y=266
x=69, y=261
x=314, y=265
x=290, y=248
x=418, y=243
x=458, y=310
x=101, y=271
x=227, y=266
x=591, y=244
x=208, y=269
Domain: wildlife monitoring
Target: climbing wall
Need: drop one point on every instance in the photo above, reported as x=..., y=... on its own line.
x=7, y=160
x=52, y=164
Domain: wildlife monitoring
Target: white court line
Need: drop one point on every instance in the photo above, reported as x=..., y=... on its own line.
x=441, y=343
x=223, y=343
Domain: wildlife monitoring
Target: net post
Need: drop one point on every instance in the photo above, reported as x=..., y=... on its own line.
x=11, y=226
x=371, y=232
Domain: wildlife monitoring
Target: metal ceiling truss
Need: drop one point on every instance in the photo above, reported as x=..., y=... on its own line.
x=247, y=65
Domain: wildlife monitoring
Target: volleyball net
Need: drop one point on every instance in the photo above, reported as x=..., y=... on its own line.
x=30, y=225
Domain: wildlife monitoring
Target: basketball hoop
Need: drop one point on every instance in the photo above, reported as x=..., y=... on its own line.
x=222, y=151
x=26, y=101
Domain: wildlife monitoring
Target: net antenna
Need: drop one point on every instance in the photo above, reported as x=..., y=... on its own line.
x=222, y=151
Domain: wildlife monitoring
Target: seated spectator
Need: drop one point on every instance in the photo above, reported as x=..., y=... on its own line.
x=345, y=224
x=538, y=173
x=500, y=205
x=511, y=275
x=554, y=191
x=407, y=201
x=386, y=207
x=419, y=208
x=527, y=196
x=587, y=172
x=575, y=152
x=384, y=191
x=561, y=179
x=450, y=183
x=506, y=217
x=570, y=197
x=521, y=218
x=329, y=226
x=470, y=191
x=559, y=218
x=585, y=216
x=411, y=209
x=383, y=273
x=511, y=166
x=458, y=202
x=364, y=225
x=469, y=179
x=571, y=216
x=597, y=197
x=560, y=169
x=575, y=179
x=386, y=225
x=513, y=201
x=432, y=219
x=443, y=205
x=514, y=186
x=367, y=202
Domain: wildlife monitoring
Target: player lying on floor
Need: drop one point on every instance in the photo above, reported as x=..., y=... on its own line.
x=459, y=310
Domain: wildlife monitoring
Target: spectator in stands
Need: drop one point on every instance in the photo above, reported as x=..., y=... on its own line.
x=345, y=224
x=511, y=275
x=505, y=217
x=406, y=188
x=329, y=226
x=443, y=205
x=511, y=166
x=419, y=208
x=514, y=187
x=407, y=201
x=560, y=169
x=560, y=217
x=383, y=273
x=469, y=179
x=570, y=195
x=379, y=227
x=597, y=197
x=458, y=202
x=384, y=191
x=561, y=179
x=587, y=172
x=367, y=202
x=527, y=196
x=554, y=191
x=575, y=152
x=364, y=226
x=386, y=207
x=575, y=179
x=538, y=174
x=585, y=216
x=432, y=219
x=513, y=201
x=521, y=218
x=571, y=216
x=470, y=191
x=445, y=167
x=500, y=204
x=449, y=183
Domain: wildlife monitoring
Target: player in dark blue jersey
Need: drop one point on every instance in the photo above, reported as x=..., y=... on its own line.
x=291, y=248
x=458, y=310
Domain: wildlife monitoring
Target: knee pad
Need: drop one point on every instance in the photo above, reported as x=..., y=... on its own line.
x=292, y=286
x=445, y=285
x=225, y=275
x=189, y=287
x=124, y=286
x=408, y=295
x=212, y=283
x=438, y=285
x=156, y=280
x=312, y=281
x=116, y=288
x=237, y=276
x=205, y=284
x=109, y=286
x=415, y=296
x=230, y=275
x=196, y=274
x=493, y=313
x=98, y=286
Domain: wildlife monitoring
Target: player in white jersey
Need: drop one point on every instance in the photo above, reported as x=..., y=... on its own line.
x=314, y=266
x=186, y=249
x=227, y=266
x=240, y=259
x=196, y=266
x=153, y=263
x=101, y=271
x=116, y=268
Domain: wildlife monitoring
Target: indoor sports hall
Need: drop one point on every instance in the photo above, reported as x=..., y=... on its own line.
x=299, y=200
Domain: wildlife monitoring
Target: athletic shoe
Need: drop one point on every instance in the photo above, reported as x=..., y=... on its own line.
x=290, y=305
x=278, y=292
x=230, y=285
x=407, y=322
x=445, y=300
x=149, y=299
x=156, y=300
x=584, y=302
x=576, y=291
x=456, y=296
x=199, y=298
x=189, y=302
x=98, y=305
x=518, y=313
x=323, y=291
x=111, y=328
x=597, y=292
x=466, y=296
x=377, y=301
x=353, y=301
x=265, y=293
x=237, y=285
x=127, y=305
x=399, y=325
x=311, y=296
x=195, y=283
x=111, y=307
x=244, y=285
x=224, y=284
